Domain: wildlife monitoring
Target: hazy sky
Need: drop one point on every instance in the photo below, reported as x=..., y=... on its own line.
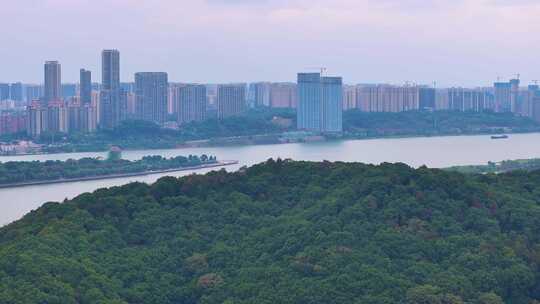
x=453, y=42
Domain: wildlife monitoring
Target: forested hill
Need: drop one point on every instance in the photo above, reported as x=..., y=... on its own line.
x=284, y=232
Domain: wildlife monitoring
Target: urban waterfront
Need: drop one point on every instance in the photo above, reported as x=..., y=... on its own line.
x=436, y=152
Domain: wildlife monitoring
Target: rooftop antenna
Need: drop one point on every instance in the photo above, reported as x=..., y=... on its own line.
x=322, y=69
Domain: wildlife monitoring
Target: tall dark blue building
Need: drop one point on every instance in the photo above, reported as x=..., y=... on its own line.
x=85, y=89
x=52, y=89
x=110, y=99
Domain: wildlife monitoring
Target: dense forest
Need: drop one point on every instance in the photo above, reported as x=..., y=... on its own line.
x=18, y=172
x=500, y=167
x=284, y=232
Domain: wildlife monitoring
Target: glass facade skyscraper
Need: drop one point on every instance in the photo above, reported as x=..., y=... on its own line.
x=110, y=99
x=320, y=103
x=85, y=89
x=53, y=82
x=332, y=104
x=309, y=111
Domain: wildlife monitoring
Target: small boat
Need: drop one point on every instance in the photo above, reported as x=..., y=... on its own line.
x=499, y=137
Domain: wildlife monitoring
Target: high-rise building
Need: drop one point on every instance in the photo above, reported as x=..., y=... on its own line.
x=57, y=117
x=110, y=99
x=387, y=98
x=332, y=104
x=151, y=91
x=503, y=97
x=515, y=105
x=4, y=91
x=131, y=100
x=231, y=100
x=426, y=98
x=320, y=103
x=533, y=91
x=259, y=94
x=52, y=118
x=349, y=97
x=309, y=111
x=85, y=87
x=13, y=122
x=191, y=103
x=128, y=87
x=16, y=91
x=96, y=103
x=211, y=95
x=69, y=90
x=533, y=102
x=174, y=97
x=536, y=108
x=467, y=100
x=37, y=116
x=53, y=82
x=283, y=95
x=82, y=117
x=33, y=92
x=74, y=115
x=88, y=114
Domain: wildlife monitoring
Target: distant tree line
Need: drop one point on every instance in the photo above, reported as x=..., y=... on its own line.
x=501, y=167
x=134, y=134
x=425, y=123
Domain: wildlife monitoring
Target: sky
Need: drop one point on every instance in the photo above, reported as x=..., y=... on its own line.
x=450, y=42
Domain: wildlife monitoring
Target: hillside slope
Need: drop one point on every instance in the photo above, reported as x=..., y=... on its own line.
x=284, y=232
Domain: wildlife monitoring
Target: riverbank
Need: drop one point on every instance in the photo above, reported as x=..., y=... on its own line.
x=261, y=140
x=121, y=175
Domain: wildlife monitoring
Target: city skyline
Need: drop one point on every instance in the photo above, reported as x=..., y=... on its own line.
x=247, y=41
x=131, y=79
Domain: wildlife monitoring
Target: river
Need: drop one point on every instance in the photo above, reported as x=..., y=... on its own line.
x=436, y=152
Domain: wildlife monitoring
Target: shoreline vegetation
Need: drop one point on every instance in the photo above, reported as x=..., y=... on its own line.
x=260, y=127
x=20, y=174
x=113, y=176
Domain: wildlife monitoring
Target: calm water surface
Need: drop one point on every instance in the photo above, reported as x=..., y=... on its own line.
x=434, y=152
